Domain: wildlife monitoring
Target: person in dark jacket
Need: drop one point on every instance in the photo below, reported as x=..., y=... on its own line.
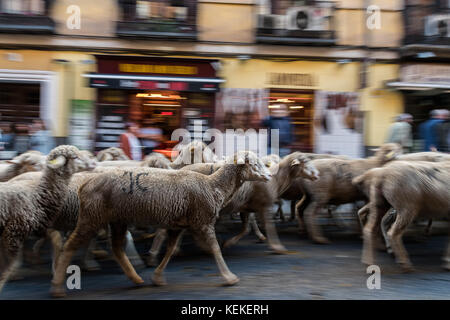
x=428, y=131
x=443, y=132
x=280, y=120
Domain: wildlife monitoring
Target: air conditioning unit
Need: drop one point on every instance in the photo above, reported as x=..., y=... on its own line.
x=437, y=25
x=271, y=21
x=308, y=18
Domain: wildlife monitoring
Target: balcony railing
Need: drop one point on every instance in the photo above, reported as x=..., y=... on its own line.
x=158, y=19
x=311, y=24
x=31, y=16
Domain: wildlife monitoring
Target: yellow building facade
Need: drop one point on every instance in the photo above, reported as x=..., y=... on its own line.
x=225, y=32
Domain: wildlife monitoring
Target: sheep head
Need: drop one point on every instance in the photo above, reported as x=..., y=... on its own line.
x=66, y=159
x=388, y=152
x=302, y=167
x=253, y=168
x=29, y=161
x=194, y=152
x=156, y=160
x=89, y=161
x=112, y=154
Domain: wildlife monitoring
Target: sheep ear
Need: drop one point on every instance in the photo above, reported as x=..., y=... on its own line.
x=240, y=161
x=57, y=162
x=390, y=155
x=13, y=161
x=374, y=149
x=295, y=162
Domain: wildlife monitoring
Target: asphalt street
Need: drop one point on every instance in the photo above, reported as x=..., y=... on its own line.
x=308, y=271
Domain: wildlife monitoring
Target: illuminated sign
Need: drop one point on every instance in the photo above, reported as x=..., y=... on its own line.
x=291, y=79
x=162, y=69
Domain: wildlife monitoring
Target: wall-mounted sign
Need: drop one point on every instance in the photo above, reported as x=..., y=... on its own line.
x=291, y=79
x=110, y=64
x=426, y=73
x=107, y=83
x=156, y=68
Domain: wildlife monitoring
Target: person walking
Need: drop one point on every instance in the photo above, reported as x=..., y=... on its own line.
x=443, y=132
x=428, y=131
x=280, y=120
x=150, y=135
x=40, y=138
x=130, y=143
x=401, y=132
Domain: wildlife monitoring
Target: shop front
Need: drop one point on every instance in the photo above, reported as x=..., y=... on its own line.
x=321, y=99
x=425, y=87
x=168, y=93
x=25, y=96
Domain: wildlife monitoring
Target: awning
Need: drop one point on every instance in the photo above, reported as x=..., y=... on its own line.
x=141, y=82
x=400, y=85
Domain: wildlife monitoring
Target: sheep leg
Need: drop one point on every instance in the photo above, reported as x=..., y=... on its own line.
x=428, y=228
x=81, y=235
x=131, y=251
x=13, y=250
x=118, y=240
x=447, y=255
x=293, y=210
x=386, y=223
x=404, y=217
x=158, y=240
x=312, y=227
x=299, y=210
x=370, y=233
x=208, y=234
x=280, y=212
x=271, y=231
x=174, y=237
x=89, y=262
x=362, y=215
x=57, y=245
x=255, y=227
x=36, y=250
x=244, y=231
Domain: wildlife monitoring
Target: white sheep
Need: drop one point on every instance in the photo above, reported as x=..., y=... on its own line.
x=28, y=207
x=172, y=199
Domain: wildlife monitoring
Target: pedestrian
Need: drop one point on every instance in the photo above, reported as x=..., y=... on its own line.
x=130, y=143
x=428, y=131
x=443, y=132
x=401, y=132
x=150, y=135
x=21, y=138
x=40, y=138
x=7, y=137
x=281, y=121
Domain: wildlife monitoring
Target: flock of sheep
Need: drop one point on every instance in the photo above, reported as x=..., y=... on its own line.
x=72, y=192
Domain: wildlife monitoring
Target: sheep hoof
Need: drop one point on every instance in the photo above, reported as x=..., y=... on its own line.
x=159, y=280
x=152, y=261
x=279, y=249
x=367, y=261
x=231, y=281
x=138, y=280
x=57, y=292
x=407, y=268
x=447, y=266
x=321, y=240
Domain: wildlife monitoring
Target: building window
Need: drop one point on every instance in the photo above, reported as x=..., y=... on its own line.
x=296, y=22
x=24, y=7
x=158, y=18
